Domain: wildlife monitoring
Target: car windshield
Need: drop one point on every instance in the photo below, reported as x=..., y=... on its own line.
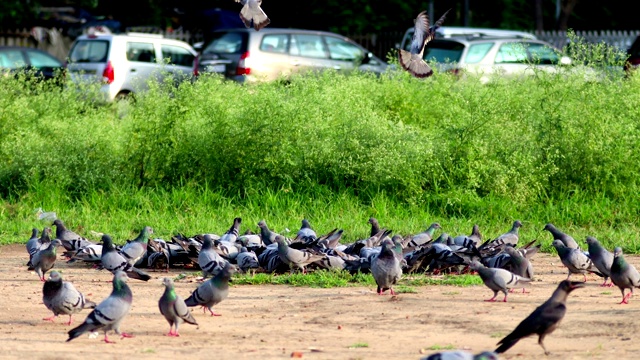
x=89, y=51
x=443, y=51
x=226, y=43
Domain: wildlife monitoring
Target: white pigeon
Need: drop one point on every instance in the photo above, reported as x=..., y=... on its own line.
x=251, y=11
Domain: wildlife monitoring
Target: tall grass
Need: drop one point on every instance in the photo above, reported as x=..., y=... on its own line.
x=333, y=148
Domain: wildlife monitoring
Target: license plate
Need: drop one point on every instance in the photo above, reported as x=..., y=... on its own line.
x=220, y=68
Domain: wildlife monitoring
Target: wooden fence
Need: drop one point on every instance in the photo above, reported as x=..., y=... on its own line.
x=380, y=44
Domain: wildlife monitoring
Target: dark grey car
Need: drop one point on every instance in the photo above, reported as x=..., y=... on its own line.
x=249, y=55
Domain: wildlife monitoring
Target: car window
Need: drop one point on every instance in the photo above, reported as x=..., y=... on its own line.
x=226, y=43
x=12, y=59
x=308, y=46
x=512, y=53
x=40, y=60
x=177, y=55
x=443, y=51
x=89, y=51
x=277, y=43
x=543, y=54
x=141, y=52
x=343, y=50
x=477, y=52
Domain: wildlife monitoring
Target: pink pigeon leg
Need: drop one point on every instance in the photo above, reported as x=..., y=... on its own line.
x=125, y=335
x=213, y=313
x=106, y=339
x=70, y=320
x=492, y=299
x=392, y=291
x=50, y=318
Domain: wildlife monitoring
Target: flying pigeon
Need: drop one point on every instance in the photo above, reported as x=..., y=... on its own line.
x=412, y=60
x=44, y=259
x=385, y=268
x=110, y=312
x=212, y=291
x=61, y=297
x=498, y=279
x=135, y=249
x=114, y=261
x=173, y=308
x=461, y=355
x=543, y=320
x=567, y=240
x=601, y=258
x=624, y=275
x=575, y=260
x=251, y=11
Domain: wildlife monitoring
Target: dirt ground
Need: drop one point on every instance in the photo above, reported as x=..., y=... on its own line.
x=272, y=322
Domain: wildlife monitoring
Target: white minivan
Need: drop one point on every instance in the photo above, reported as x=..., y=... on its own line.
x=124, y=63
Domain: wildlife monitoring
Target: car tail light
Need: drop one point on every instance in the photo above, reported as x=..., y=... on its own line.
x=196, y=64
x=108, y=73
x=242, y=68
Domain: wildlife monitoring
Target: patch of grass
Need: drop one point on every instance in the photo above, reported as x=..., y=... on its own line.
x=441, y=347
x=605, y=293
x=148, y=351
x=496, y=335
x=359, y=345
x=451, y=293
x=455, y=280
x=402, y=289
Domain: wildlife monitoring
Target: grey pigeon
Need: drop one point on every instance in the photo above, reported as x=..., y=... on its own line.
x=294, y=257
x=518, y=264
x=413, y=60
x=252, y=12
x=567, y=240
x=268, y=237
x=212, y=291
x=44, y=259
x=135, y=249
x=498, y=279
x=209, y=260
x=385, y=268
x=543, y=320
x=624, y=275
x=62, y=298
x=114, y=261
x=509, y=238
x=234, y=231
x=91, y=254
x=423, y=237
x=475, y=238
x=575, y=260
x=35, y=243
x=110, y=312
x=247, y=260
x=173, y=308
x=461, y=355
x=70, y=240
x=601, y=258
x=306, y=233
x=375, y=229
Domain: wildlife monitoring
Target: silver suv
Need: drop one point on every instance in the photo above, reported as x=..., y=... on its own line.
x=123, y=64
x=249, y=55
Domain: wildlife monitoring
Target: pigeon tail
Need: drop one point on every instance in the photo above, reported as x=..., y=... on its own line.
x=414, y=64
x=138, y=274
x=79, y=330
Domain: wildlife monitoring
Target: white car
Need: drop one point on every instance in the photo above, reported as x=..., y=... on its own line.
x=124, y=63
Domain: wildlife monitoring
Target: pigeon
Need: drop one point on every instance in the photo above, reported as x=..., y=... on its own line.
x=567, y=240
x=61, y=297
x=44, y=259
x=424, y=237
x=135, y=249
x=510, y=238
x=212, y=291
x=110, y=312
x=114, y=261
x=575, y=260
x=306, y=233
x=624, y=275
x=498, y=279
x=268, y=237
x=385, y=268
x=209, y=260
x=35, y=243
x=173, y=308
x=247, y=260
x=543, y=320
x=70, y=240
x=461, y=355
x=412, y=60
x=601, y=258
x=475, y=238
x=518, y=263
x=251, y=11
x=294, y=257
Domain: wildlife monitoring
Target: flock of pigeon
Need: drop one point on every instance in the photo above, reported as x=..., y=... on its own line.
x=500, y=263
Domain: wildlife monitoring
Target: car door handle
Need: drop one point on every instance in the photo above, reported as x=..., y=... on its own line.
x=134, y=70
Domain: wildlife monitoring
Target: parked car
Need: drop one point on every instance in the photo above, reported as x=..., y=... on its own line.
x=247, y=55
x=124, y=64
x=486, y=55
x=633, y=61
x=15, y=59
